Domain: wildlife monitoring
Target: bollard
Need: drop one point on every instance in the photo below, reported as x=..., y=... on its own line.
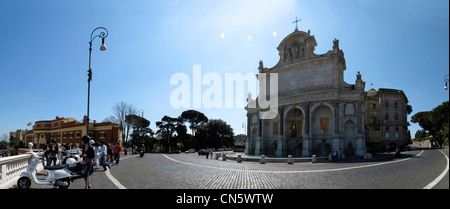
x=343, y=156
x=263, y=159
x=290, y=161
x=314, y=159
x=239, y=158
x=224, y=157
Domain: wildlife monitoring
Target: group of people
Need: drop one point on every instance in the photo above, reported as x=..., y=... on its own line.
x=334, y=155
x=93, y=153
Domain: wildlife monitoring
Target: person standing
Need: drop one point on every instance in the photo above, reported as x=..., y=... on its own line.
x=88, y=157
x=103, y=156
x=46, y=152
x=110, y=152
x=117, y=150
x=96, y=155
x=53, y=150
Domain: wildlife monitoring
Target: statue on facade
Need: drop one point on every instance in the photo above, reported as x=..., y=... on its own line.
x=335, y=45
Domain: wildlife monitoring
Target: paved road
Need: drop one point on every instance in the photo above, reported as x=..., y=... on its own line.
x=415, y=170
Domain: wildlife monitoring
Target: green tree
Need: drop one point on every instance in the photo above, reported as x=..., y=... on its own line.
x=439, y=119
x=194, y=118
x=182, y=137
x=434, y=122
x=137, y=121
x=140, y=124
x=215, y=133
x=167, y=129
x=420, y=134
x=3, y=144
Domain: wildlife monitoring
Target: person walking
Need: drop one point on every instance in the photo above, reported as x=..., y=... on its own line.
x=117, y=150
x=103, y=156
x=88, y=157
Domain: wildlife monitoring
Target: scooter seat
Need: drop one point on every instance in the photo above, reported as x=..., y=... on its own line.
x=56, y=167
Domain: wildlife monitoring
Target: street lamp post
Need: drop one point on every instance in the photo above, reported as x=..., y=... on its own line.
x=103, y=34
x=446, y=82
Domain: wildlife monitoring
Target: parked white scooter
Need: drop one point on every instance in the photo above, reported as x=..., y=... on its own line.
x=58, y=176
x=73, y=153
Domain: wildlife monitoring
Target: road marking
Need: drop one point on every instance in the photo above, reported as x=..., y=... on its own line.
x=287, y=172
x=440, y=177
x=429, y=186
x=114, y=180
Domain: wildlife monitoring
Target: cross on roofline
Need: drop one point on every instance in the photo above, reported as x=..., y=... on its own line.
x=296, y=21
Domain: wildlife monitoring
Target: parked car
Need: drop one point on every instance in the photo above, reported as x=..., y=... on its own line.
x=407, y=148
x=190, y=151
x=203, y=152
x=176, y=151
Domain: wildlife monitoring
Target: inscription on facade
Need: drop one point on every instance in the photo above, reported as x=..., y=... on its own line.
x=305, y=77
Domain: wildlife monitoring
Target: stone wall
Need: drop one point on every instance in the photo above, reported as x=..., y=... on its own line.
x=424, y=144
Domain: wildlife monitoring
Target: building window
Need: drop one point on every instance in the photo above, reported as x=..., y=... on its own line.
x=59, y=135
x=70, y=134
x=374, y=120
x=396, y=116
x=64, y=135
x=386, y=116
x=386, y=135
x=102, y=135
x=324, y=125
x=78, y=134
x=396, y=105
x=374, y=106
x=275, y=128
x=396, y=135
x=42, y=136
x=386, y=104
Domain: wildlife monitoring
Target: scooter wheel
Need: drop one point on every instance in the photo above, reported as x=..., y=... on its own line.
x=24, y=183
x=67, y=186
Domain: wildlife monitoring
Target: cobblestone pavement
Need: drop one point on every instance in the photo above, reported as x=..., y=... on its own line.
x=190, y=171
x=415, y=170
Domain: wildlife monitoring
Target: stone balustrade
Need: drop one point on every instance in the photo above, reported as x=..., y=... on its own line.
x=11, y=167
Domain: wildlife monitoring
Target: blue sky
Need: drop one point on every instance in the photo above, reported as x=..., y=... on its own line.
x=402, y=44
